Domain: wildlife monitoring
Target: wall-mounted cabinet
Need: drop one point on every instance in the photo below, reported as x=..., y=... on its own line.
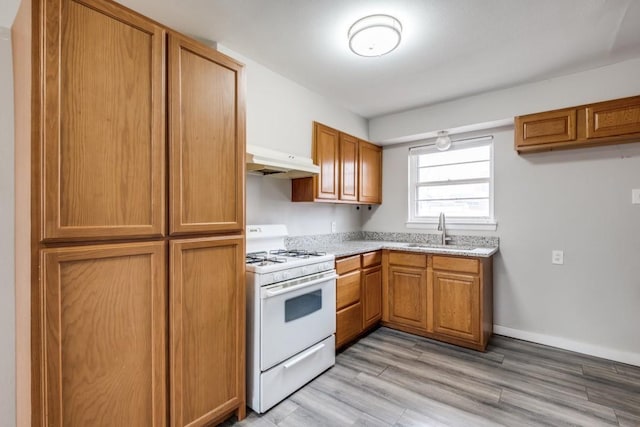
x=602, y=123
x=350, y=170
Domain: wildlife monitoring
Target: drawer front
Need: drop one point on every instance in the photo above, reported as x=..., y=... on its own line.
x=348, y=324
x=348, y=289
x=293, y=373
x=409, y=259
x=345, y=265
x=466, y=265
x=371, y=258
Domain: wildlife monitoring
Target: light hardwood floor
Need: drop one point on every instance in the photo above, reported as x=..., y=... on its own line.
x=390, y=378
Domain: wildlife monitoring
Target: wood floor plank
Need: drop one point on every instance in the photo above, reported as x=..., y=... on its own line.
x=358, y=398
x=626, y=419
x=628, y=370
x=555, y=413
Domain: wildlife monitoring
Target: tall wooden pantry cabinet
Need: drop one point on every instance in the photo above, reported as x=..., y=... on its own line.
x=136, y=139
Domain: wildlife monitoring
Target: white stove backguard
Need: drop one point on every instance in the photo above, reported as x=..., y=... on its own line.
x=265, y=237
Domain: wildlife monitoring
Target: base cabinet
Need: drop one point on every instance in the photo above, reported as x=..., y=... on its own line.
x=447, y=298
x=408, y=303
x=358, y=295
x=104, y=320
x=456, y=305
x=207, y=321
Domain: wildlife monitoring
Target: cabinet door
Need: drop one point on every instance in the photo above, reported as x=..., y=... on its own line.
x=207, y=312
x=206, y=139
x=456, y=305
x=614, y=118
x=372, y=295
x=103, y=140
x=348, y=167
x=370, y=181
x=326, y=155
x=104, y=335
x=546, y=128
x=408, y=296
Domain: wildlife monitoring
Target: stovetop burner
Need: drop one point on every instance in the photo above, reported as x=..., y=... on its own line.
x=296, y=253
x=263, y=258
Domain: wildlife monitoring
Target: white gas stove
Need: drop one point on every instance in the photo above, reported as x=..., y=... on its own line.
x=291, y=314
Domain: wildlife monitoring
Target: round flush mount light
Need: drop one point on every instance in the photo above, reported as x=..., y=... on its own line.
x=375, y=35
x=443, y=141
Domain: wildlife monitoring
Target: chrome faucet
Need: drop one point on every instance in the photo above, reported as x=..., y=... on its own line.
x=442, y=227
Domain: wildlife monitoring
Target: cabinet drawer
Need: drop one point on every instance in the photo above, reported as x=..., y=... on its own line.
x=404, y=258
x=371, y=258
x=466, y=265
x=347, y=289
x=348, y=324
x=345, y=265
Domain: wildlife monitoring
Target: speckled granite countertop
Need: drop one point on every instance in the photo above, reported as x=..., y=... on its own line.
x=354, y=247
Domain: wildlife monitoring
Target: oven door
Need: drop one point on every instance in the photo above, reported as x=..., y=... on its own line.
x=295, y=315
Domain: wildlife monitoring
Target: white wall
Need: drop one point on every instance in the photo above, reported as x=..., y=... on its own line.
x=578, y=201
x=7, y=274
x=610, y=82
x=280, y=114
x=269, y=202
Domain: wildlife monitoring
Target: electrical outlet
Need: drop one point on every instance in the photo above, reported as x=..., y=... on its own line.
x=333, y=226
x=635, y=196
x=557, y=257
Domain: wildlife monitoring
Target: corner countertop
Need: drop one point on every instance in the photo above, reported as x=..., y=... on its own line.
x=355, y=247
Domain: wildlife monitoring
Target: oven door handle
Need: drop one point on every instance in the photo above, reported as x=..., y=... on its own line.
x=303, y=356
x=286, y=290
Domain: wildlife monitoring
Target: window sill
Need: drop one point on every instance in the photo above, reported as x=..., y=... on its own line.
x=454, y=225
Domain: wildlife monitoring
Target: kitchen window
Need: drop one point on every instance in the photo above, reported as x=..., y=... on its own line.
x=457, y=182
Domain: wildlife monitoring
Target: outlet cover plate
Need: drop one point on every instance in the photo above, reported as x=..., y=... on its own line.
x=557, y=257
x=635, y=196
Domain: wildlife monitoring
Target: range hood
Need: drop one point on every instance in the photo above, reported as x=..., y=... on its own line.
x=277, y=164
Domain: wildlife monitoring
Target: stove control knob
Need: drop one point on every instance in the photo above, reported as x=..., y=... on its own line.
x=277, y=277
x=286, y=274
x=304, y=270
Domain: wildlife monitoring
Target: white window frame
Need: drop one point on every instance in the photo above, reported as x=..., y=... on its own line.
x=452, y=223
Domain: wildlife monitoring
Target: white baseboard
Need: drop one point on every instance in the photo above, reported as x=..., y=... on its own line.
x=579, y=347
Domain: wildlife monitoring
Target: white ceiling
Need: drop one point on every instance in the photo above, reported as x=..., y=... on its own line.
x=450, y=48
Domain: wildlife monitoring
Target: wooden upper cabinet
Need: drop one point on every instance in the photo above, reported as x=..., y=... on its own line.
x=326, y=153
x=608, y=122
x=348, y=167
x=544, y=128
x=206, y=139
x=104, y=324
x=207, y=339
x=350, y=170
x=104, y=127
x=614, y=118
x=370, y=171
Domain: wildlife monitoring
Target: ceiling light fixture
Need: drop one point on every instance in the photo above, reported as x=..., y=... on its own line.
x=443, y=141
x=375, y=35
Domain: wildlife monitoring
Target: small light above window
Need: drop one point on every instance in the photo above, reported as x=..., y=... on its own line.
x=375, y=35
x=443, y=141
